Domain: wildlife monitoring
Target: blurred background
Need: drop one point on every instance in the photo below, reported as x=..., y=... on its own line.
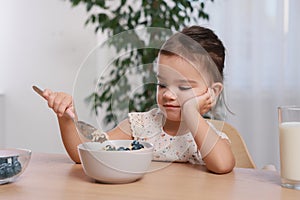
x=45, y=42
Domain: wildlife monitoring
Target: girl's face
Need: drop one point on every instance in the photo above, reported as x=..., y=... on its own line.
x=178, y=81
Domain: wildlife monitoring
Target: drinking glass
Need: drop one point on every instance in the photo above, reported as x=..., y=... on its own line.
x=289, y=139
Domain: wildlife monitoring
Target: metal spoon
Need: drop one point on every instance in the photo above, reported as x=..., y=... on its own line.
x=88, y=131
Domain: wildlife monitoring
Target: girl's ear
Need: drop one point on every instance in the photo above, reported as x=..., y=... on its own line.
x=217, y=88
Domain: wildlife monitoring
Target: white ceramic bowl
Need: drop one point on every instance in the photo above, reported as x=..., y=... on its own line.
x=13, y=163
x=115, y=166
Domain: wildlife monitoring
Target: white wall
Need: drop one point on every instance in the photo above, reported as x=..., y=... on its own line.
x=42, y=43
x=2, y=119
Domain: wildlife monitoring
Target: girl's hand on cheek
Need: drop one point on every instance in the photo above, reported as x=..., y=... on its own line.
x=202, y=103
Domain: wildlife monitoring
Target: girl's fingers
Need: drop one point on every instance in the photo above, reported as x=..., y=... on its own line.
x=47, y=93
x=206, y=101
x=60, y=106
x=61, y=103
x=57, y=103
x=209, y=96
x=51, y=98
x=65, y=105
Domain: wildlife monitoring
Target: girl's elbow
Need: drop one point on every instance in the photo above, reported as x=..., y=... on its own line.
x=74, y=157
x=77, y=161
x=222, y=167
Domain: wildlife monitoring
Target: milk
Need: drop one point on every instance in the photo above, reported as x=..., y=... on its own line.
x=289, y=138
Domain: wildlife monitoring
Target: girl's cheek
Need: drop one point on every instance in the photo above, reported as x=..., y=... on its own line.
x=183, y=96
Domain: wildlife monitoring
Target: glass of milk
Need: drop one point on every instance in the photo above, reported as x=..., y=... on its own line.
x=289, y=139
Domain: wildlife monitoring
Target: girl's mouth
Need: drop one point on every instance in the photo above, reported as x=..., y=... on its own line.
x=171, y=106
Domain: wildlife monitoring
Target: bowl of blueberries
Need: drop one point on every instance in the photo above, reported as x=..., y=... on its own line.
x=116, y=161
x=13, y=163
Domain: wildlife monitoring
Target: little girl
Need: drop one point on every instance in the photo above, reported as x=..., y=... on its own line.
x=190, y=77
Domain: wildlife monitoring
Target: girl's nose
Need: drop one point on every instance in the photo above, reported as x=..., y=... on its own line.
x=168, y=94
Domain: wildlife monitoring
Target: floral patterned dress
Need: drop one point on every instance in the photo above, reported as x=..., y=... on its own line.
x=148, y=126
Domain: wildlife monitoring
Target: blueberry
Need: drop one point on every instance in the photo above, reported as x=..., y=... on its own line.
x=110, y=148
x=9, y=170
x=138, y=146
x=17, y=167
x=135, y=142
x=2, y=171
x=14, y=158
x=121, y=149
x=135, y=147
x=3, y=160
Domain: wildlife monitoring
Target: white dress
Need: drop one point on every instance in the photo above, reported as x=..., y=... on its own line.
x=148, y=126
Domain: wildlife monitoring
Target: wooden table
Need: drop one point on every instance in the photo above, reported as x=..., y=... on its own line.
x=54, y=176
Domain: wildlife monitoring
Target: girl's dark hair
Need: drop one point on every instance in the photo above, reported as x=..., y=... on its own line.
x=209, y=41
x=195, y=41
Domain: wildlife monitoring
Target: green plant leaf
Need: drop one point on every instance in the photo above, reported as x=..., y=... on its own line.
x=171, y=14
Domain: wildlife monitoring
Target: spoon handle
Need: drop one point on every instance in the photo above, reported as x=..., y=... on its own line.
x=38, y=90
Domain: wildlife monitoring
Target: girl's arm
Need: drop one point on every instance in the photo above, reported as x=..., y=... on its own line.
x=216, y=152
x=71, y=139
x=62, y=105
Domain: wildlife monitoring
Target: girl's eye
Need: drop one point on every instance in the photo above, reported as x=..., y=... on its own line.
x=184, y=87
x=160, y=85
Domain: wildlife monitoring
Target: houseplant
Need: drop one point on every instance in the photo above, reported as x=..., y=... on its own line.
x=114, y=17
